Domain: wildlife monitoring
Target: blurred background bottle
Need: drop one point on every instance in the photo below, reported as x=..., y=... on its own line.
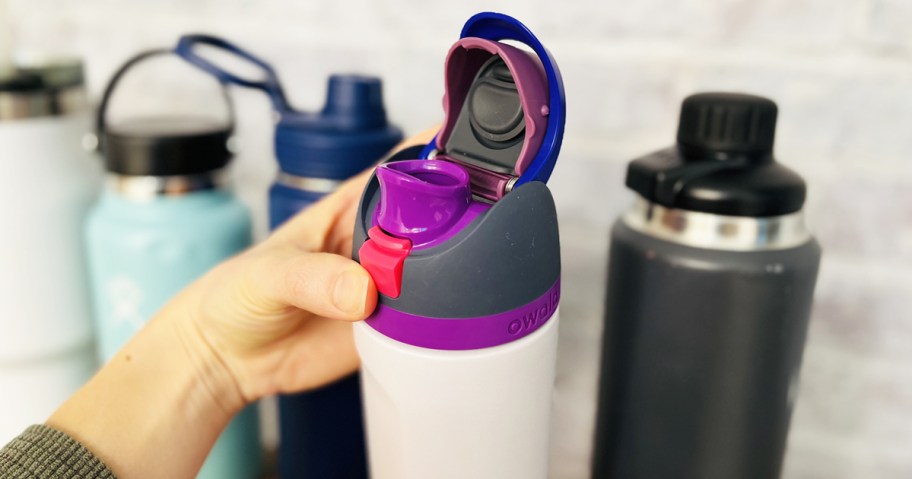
x=322, y=432
x=710, y=283
x=47, y=187
x=317, y=152
x=164, y=219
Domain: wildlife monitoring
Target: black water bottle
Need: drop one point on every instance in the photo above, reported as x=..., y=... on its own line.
x=710, y=283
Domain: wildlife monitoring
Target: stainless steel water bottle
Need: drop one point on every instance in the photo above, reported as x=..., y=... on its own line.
x=165, y=219
x=321, y=431
x=458, y=359
x=710, y=284
x=48, y=185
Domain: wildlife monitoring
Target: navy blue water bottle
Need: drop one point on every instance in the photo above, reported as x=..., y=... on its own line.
x=322, y=431
x=316, y=152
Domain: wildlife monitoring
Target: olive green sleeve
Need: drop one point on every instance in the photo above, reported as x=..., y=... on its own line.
x=42, y=452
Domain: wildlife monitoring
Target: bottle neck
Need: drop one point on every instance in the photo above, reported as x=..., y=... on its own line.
x=43, y=103
x=308, y=183
x=143, y=188
x=712, y=231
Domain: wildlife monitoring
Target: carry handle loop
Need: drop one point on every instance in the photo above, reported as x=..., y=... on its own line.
x=101, y=122
x=186, y=49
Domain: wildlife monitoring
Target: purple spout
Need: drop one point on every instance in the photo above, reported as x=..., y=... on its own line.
x=422, y=199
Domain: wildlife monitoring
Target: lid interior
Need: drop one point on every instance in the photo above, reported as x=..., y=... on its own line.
x=490, y=129
x=496, y=106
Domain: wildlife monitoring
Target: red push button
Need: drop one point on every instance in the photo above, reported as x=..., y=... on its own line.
x=382, y=256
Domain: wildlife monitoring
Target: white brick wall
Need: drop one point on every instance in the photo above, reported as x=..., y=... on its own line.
x=839, y=69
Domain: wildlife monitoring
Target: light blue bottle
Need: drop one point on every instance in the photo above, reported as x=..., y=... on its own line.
x=163, y=221
x=321, y=432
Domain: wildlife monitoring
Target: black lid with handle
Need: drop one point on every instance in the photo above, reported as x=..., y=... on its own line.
x=163, y=145
x=723, y=161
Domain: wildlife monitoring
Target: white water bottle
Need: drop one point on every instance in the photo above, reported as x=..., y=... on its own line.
x=48, y=184
x=458, y=359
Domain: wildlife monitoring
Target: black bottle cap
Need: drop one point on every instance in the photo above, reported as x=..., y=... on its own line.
x=727, y=124
x=161, y=145
x=723, y=161
x=20, y=82
x=166, y=146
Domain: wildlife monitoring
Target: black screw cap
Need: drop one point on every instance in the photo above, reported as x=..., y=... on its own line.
x=723, y=162
x=727, y=124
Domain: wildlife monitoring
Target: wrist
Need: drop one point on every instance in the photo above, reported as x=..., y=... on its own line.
x=218, y=384
x=156, y=408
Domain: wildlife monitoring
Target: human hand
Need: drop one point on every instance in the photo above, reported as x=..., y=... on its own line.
x=278, y=316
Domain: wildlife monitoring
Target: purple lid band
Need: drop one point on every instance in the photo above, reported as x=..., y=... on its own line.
x=466, y=333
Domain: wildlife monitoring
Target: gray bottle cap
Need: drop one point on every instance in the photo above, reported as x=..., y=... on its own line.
x=41, y=88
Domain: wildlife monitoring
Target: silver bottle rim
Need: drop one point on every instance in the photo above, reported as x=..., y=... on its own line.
x=45, y=103
x=144, y=188
x=308, y=183
x=712, y=231
x=63, y=92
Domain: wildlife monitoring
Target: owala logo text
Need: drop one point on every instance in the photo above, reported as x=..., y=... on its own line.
x=535, y=315
x=125, y=298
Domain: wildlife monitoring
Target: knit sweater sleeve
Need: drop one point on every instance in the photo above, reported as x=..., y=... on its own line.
x=42, y=452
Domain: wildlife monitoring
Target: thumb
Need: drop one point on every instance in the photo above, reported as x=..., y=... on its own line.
x=324, y=284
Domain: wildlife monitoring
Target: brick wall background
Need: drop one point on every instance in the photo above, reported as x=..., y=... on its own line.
x=839, y=69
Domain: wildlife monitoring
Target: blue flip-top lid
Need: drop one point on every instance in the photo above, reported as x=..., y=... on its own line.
x=497, y=27
x=347, y=136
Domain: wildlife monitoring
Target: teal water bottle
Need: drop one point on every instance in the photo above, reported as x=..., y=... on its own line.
x=163, y=220
x=321, y=432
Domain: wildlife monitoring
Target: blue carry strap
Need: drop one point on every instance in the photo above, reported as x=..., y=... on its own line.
x=269, y=85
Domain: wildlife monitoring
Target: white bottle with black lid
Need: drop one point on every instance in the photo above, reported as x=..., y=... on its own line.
x=48, y=184
x=710, y=284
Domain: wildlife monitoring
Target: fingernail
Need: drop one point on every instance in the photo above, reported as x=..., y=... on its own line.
x=350, y=291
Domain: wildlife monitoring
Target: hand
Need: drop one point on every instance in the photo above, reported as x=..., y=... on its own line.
x=278, y=315
x=276, y=318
